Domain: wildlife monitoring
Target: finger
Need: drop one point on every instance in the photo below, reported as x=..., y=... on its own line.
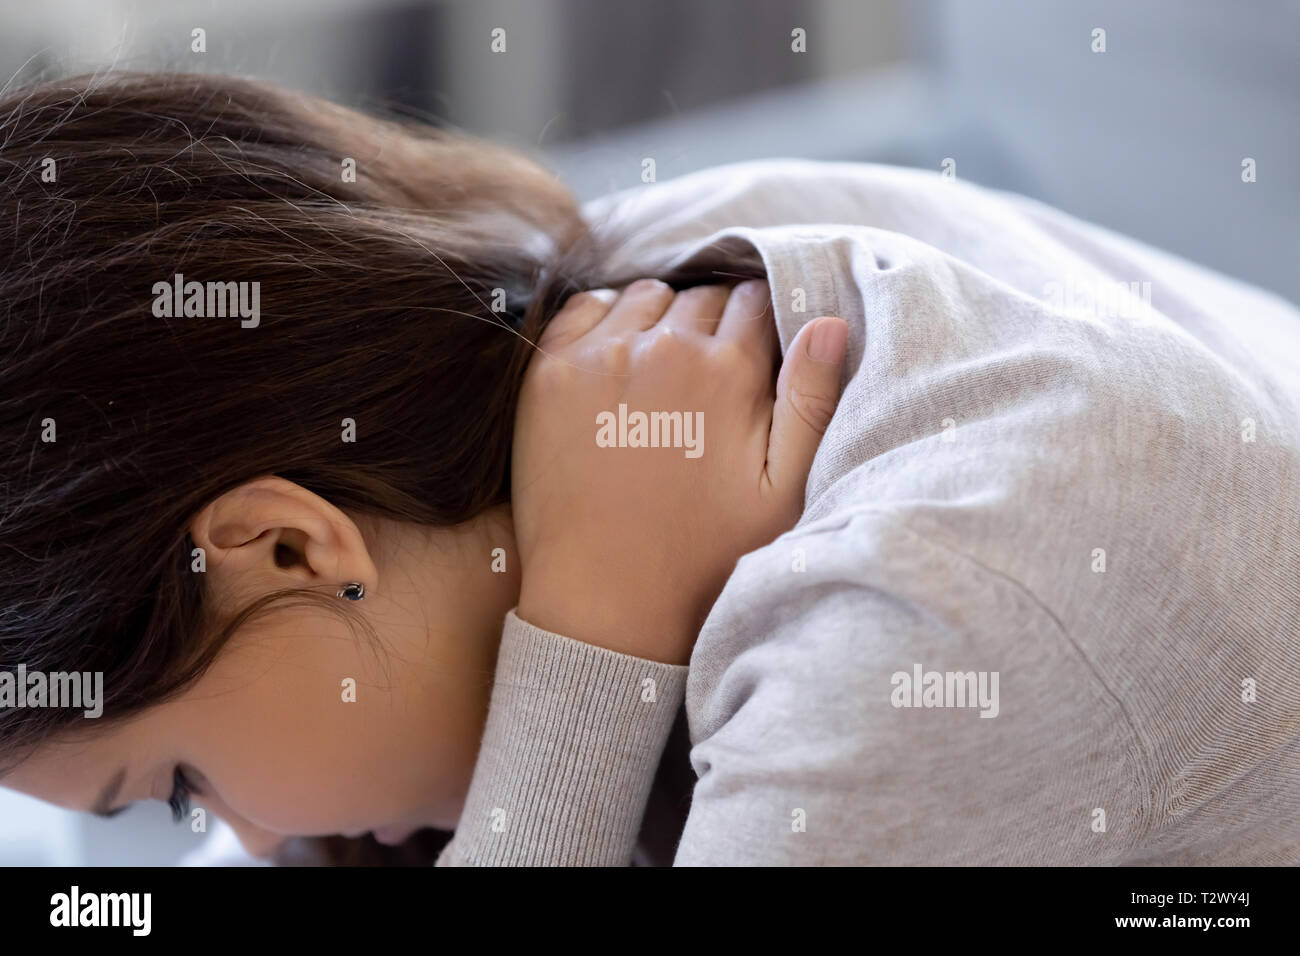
x=578, y=316
x=749, y=318
x=638, y=307
x=697, y=309
x=807, y=393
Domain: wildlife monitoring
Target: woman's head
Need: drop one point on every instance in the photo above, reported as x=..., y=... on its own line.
x=184, y=492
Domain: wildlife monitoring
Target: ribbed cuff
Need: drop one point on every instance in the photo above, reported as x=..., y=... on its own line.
x=573, y=738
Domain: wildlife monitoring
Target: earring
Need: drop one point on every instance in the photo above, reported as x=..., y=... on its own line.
x=353, y=591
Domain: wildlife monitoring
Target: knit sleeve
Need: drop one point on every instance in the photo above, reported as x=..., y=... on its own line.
x=573, y=738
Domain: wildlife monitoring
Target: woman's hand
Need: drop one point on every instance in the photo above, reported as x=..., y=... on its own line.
x=628, y=547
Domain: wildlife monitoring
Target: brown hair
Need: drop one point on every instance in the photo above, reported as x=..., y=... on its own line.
x=407, y=300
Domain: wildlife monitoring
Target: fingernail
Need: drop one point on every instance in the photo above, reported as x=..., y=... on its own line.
x=828, y=339
x=604, y=295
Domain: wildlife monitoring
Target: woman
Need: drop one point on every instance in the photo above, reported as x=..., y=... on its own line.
x=322, y=411
x=1042, y=499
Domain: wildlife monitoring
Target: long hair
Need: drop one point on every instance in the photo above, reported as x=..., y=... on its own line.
x=404, y=273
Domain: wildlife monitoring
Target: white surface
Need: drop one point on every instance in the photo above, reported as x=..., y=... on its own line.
x=34, y=833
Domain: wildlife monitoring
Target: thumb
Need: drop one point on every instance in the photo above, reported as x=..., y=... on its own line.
x=807, y=393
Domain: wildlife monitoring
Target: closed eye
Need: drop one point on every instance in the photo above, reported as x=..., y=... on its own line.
x=179, y=800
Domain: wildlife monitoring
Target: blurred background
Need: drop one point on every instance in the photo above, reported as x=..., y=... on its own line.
x=1147, y=137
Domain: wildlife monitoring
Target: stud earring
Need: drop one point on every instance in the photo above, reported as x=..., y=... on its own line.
x=353, y=591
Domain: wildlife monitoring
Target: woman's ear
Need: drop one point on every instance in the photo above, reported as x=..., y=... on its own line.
x=271, y=533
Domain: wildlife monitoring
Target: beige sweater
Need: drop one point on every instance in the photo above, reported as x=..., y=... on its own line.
x=1042, y=605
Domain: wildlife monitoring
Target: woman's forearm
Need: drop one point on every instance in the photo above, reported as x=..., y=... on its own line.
x=574, y=735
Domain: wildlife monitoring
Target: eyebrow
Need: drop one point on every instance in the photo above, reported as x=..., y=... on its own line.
x=109, y=797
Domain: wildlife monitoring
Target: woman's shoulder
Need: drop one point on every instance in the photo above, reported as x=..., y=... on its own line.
x=756, y=193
